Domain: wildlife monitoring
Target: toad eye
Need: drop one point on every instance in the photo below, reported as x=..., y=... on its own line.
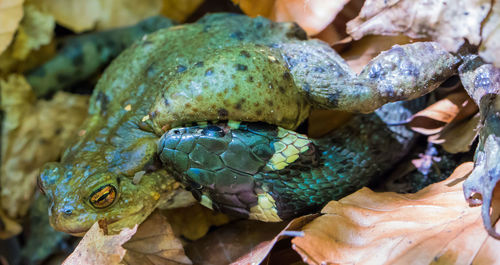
x=103, y=196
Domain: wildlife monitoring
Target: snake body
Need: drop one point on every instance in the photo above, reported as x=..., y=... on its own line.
x=264, y=172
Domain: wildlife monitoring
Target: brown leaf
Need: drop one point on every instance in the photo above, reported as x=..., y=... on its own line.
x=261, y=251
x=34, y=132
x=312, y=15
x=11, y=12
x=155, y=243
x=448, y=23
x=97, y=248
x=458, y=137
x=194, y=221
x=435, y=117
x=227, y=243
x=317, y=125
x=490, y=46
x=179, y=10
x=434, y=225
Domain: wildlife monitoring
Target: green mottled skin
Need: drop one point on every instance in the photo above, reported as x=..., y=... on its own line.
x=222, y=67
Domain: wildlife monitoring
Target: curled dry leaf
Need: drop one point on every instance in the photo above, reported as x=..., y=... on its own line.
x=229, y=242
x=179, y=10
x=312, y=15
x=194, y=221
x=104, y=14
x=433, y=119
x=448, y=23
x=261, y=251
x=458, y=137
x=11, y=12
x=490, y=46
x=33, y=133
x=36, y=29
x=97, y=248
x=434, y=225
x=155, y=243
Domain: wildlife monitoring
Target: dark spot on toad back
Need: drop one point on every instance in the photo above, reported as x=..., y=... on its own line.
x=222, y=112
x=209, y=71
x=245, y=54
x=77, y=59
x=269, y=102
x=62, y=78
x=319, y=69
x=103, y=101
x=241, y=67
x=199, y=64
x=250, y=79
x=181, y=68
x=282, y=89
x=237, y=35
x=287, y=76
x=167, y=102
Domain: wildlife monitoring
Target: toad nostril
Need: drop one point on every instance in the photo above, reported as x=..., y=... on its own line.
x=67, y=210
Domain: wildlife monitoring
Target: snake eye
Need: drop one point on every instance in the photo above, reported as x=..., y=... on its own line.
x=103, y=196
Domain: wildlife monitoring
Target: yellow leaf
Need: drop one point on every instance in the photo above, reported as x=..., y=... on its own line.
x=11, y=12
x=36, y=29
x=34, y=132
x=97, y=248
x=194, y=221
x=8, y=227
x=434, y=225
x=179, y=10
x=448, y=23
x=312, y=15
x=101, y=14
x=155, y=243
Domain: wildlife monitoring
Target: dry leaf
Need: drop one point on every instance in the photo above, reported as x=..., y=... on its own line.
x=194, y=221
x=261, y=251
x=120, y=13
x=103, y=14
x=36, y=29
x=11, y=12
x=317, y=126
x=180, y=10
x=312, y=15
x=33, y=133
x=432, y=225
x=97, y=248
x=458, y=137
x=448, y=23
x=435, y=117
x=155, y=243
x=227, y=243
x=490, y=46
x=8, y=227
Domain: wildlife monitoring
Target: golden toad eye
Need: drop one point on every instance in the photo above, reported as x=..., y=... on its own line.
x=103, y=196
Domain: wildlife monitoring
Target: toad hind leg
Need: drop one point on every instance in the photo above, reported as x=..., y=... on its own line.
x=402, y=73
